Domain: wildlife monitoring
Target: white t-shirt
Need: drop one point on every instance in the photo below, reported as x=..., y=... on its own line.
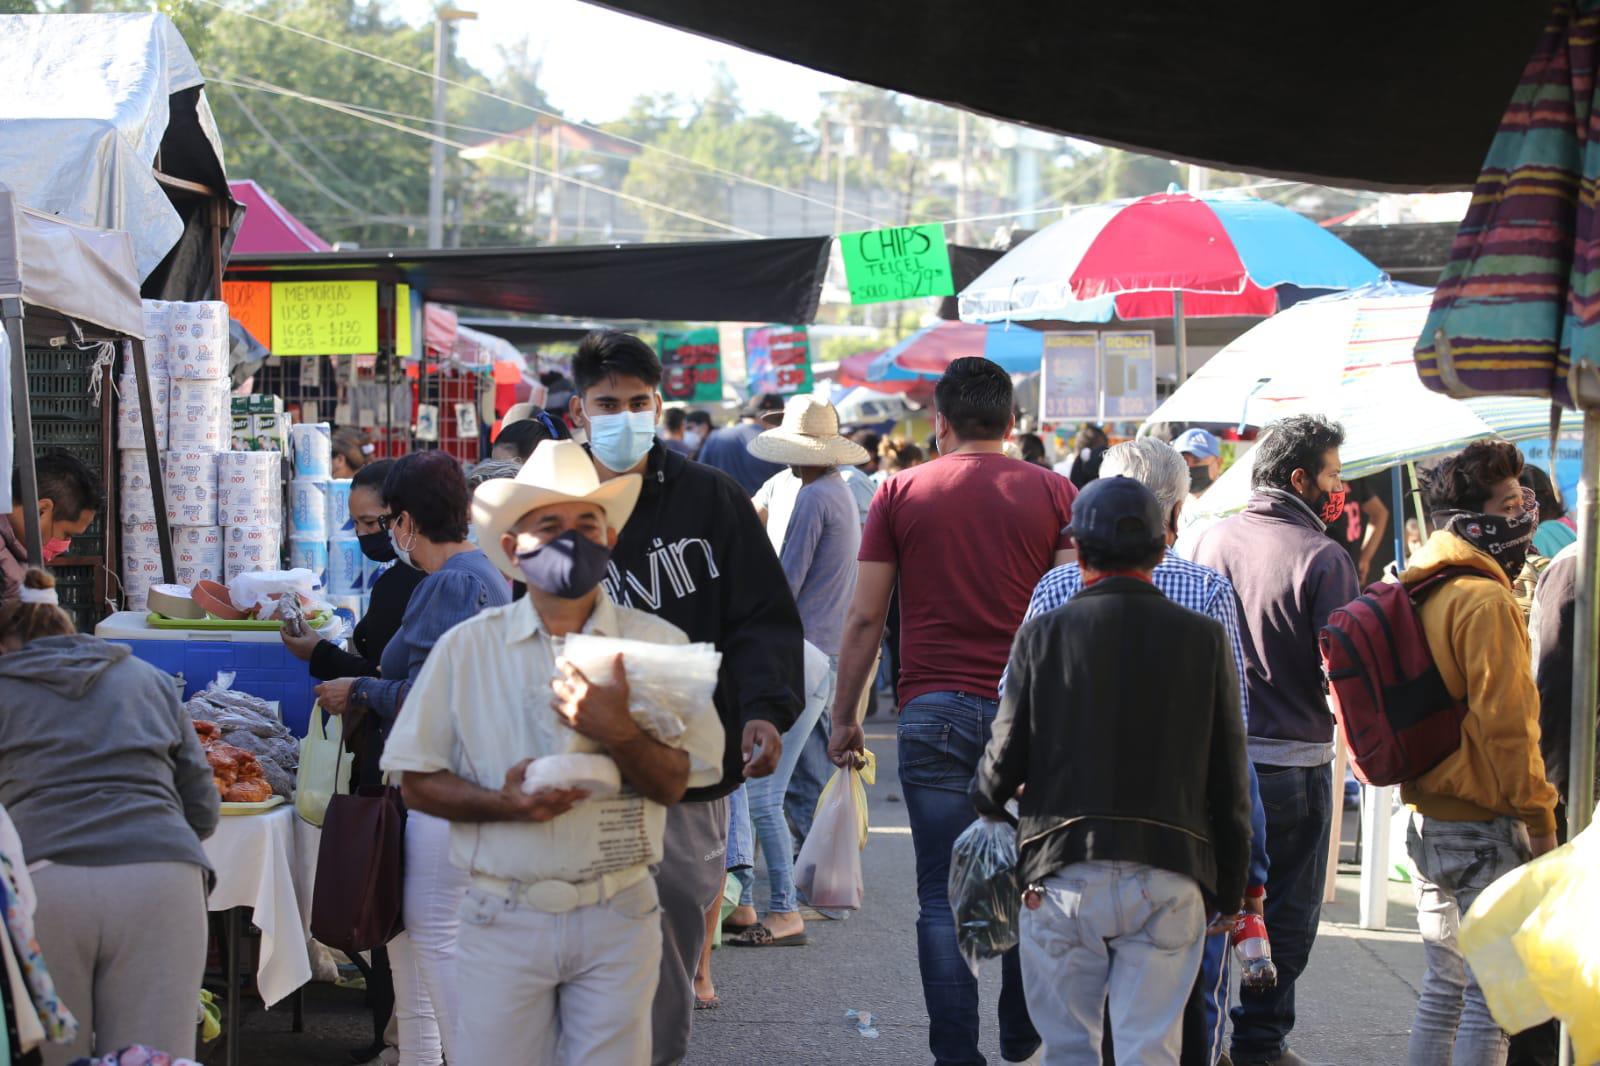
x=482, y=704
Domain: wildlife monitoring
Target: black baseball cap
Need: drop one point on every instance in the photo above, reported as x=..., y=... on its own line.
x=761, y=403
x=1117, y=513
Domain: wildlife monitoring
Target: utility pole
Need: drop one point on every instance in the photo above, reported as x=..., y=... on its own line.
x=441, y=65
x=555, y=181
x=961, y=180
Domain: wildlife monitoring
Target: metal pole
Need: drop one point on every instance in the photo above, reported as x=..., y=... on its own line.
x=22, y=428
x=133, y=351
x=1180, y=337
x=441, y=40
x=1397, y=520
x=1586, y=686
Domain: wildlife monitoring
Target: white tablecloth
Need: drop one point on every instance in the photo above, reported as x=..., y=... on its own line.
x=267, y=862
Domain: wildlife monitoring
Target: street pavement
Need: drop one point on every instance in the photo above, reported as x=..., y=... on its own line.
x=788, y=1005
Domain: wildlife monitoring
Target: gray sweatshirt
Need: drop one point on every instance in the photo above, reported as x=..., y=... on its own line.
x=99, y=765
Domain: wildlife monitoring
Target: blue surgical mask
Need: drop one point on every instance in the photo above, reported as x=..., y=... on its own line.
x=619, y=441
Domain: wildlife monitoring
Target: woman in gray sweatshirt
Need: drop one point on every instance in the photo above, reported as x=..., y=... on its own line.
x=111, y=794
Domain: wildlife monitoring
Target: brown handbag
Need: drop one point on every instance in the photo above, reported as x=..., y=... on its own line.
x=356, y=903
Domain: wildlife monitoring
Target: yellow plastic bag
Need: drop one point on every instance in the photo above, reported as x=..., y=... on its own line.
x=324, y=768
x=828, y=868
x=1533, y=941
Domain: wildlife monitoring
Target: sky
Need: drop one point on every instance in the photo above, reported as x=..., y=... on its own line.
x=597, y=61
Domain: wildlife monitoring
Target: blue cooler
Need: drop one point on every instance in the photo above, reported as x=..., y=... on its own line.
x=262, y=666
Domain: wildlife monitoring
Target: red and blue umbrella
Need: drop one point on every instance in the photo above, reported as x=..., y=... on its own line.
x=927, y=352
x=1171, y=254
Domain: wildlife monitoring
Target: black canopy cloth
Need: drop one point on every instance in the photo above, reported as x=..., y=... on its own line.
x=773, y=280
x=1402, y=96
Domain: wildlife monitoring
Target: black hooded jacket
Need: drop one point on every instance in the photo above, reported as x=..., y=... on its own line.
x=694, y=553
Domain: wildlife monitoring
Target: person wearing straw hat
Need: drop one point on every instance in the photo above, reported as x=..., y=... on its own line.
x=560, y=941
x=818, y=546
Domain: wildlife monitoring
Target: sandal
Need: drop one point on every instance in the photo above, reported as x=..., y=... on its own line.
x=731, y=929
x=707, y=1004
x=761, y=937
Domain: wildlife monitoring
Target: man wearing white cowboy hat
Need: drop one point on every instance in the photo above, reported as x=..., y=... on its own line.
x=561, y=938
x=804, y=508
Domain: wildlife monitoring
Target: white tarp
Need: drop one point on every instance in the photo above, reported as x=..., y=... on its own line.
x=84, y=103
x=81, y=273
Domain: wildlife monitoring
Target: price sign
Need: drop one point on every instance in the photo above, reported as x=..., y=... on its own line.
x=1128, y=373
x=778, y=359
x=691, y=365
x=251, y=303
x=902, y=263
x=402, y=322
x=325, y=317
x=1069, y=382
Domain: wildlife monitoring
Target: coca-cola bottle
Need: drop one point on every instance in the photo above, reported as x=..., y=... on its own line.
x=1254, y=952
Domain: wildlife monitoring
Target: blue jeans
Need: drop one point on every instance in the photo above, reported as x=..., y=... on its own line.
x=1299, y=806
x=813, y=768
x=766, y=796
x=941, y=738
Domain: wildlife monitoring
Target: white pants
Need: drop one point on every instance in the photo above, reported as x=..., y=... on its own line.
x=423, y=958
x=584, y=980
x=1130, y=930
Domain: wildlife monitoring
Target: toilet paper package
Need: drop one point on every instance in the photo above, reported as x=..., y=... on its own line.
x=198, y=340
x=371, y=571
x=247, y=548
x=141, y=562
x=198, y=417
x=191, y=484
x=308, y=508
x=197, y=553
x=339, y=521
x=348, y=608
x=312, y=444
x=133, y=482
x=157, y=342
x=248, y=492
x=310, y=553
x=346, y=567
x=130, y=423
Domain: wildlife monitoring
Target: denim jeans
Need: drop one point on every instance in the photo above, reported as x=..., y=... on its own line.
x=1299, y=805
x=1125, y=930
x=812, y=768
x=1456, y=861
x=941, y=738
x=771, y=830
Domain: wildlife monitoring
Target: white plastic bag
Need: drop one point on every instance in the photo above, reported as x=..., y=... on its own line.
x=828, y=869
x=595, y=774
x=663, y=679
x=324, y=768
x=262, y=588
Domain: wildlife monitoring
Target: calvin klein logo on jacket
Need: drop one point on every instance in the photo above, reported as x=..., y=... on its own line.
x=673, y=561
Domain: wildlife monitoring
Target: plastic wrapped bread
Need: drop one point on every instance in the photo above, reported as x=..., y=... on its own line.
x=663, y=679
x=595, y=774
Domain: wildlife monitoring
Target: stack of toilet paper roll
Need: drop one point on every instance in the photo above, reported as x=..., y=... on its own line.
x=250, y=506
x=207, y=495
x=319, y=508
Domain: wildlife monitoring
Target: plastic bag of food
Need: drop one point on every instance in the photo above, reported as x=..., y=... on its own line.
x=985, y=891
x=263, y=588
x=663, y=679
x=595, y=774
x=828, y=868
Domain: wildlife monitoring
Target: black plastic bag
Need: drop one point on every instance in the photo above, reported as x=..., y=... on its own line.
x=985, y=893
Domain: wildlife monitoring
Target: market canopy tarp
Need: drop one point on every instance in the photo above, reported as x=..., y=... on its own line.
x=269, y=226
x=87, y=102
x=772, y=280
x=74, y=271
x=1399, y=95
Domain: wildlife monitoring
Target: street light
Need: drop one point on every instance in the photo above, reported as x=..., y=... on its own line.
x=441, y=45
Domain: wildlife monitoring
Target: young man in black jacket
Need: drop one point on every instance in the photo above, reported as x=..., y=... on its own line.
x=1135, y=819
x=695, y=554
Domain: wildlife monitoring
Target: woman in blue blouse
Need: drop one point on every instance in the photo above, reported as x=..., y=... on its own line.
x=427, y=501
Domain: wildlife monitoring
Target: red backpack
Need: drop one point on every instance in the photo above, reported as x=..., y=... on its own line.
x=1399, y=720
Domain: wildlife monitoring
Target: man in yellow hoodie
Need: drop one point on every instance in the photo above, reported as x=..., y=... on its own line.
x=1486, y=809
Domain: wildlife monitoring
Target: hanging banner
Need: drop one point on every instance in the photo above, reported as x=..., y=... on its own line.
x=778, y=359
x=1128, y=374
x=691, y=365
x=902, y=263
x=251, y=303
x=324, y=317
x=402, y=322
x=1069, y=377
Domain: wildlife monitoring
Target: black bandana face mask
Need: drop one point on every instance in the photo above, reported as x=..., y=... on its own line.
x=1505, y=540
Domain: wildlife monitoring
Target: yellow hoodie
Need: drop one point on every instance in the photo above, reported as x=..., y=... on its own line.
x=1479, y=641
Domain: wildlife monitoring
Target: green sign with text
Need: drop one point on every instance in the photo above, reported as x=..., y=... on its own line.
x=902, y=263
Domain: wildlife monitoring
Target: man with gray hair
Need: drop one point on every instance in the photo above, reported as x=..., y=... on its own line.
x=1159, y=467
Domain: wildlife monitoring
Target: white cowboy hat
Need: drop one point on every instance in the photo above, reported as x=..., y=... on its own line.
x=808, y=436
x=559, y=471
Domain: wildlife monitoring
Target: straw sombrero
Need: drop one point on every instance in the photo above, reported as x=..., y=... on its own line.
x=559, y=471
x=808, y=436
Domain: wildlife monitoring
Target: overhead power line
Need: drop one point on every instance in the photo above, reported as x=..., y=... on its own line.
x=546, y=112
x=343, y=109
